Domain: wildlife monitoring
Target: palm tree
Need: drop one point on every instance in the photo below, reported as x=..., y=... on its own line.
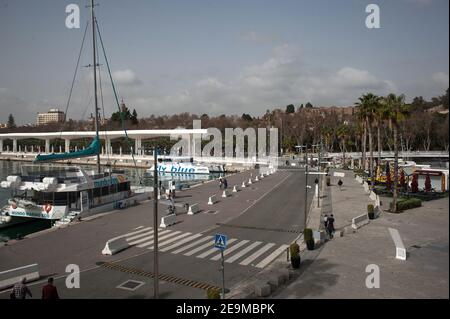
x=368, y=106
x=395, y=111
x=342, y=132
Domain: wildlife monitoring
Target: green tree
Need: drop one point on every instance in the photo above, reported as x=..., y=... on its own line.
x=134, y=117
x=342, y=133
x=290, y=108
x=247, y=117
x=395, y=110
x=368, y=106
x=11, y=122
x=309, y=105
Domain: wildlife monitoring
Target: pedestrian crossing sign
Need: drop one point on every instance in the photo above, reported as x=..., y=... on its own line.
x=220, y=241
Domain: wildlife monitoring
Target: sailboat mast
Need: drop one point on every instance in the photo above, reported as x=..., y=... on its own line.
x=95, y=80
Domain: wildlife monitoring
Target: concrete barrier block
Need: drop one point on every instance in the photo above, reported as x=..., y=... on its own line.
x=262, y=290
x=193, y=209
x=114, y=246
x=9, y=278
x=168, y=220
x=212, y=200
x=338, y=233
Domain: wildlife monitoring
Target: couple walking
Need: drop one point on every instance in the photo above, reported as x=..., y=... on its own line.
x=21, y=290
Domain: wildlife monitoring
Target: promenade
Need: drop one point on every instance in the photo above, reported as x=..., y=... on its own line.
x=338, y=268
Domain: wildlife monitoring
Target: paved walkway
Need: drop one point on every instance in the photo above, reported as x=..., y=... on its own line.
x=338, y=269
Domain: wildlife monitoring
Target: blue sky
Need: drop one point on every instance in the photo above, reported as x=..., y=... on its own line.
x=205, y=56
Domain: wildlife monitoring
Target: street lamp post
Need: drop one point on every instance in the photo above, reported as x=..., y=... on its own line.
x=155, y=224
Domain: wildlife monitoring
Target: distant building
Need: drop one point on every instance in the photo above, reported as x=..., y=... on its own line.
x=52, y=116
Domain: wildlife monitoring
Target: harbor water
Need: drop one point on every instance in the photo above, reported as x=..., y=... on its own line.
x=138, y=176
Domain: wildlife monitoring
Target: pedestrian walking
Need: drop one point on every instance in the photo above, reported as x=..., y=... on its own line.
x=49, y=291
x=340, y=184
x=330, y=225
x=20, y=290
x=225, y=183
x=220, y=183
x=325, y=220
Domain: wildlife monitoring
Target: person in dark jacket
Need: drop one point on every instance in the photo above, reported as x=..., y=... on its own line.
x=20, y=290
x=49, y=291
x=330, y=225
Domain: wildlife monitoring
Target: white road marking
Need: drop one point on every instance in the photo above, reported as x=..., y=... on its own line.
x=252, y=257
x=193, y=251
x=140, y=235
x=214, y=249
x=148, y=238
x=272, y=256
x=192, y=245
x=145, y=244
x=230, y=250
x=169, y=241
x=133, y=233
x=243, y=252
x=181, y=242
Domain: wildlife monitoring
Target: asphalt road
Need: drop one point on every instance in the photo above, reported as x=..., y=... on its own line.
x=263, y=218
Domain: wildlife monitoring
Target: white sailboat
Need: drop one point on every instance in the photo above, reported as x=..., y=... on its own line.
x=60, y=193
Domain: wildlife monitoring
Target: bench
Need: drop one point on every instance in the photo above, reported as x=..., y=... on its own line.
x=9, y=278
x=212, y=200
x=113, y=246
x=366, y=187
x=360, y=221
x=168, y=220
x=193, y=209
x=400, y=250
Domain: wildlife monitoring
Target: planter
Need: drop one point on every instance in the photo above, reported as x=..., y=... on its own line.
x=295, y=262
x=371, y=215
x=328, y=181
x=310, y=244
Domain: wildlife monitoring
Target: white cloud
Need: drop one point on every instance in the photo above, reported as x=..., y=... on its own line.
x=282, y=79
x=441, y=78
x=126, y=77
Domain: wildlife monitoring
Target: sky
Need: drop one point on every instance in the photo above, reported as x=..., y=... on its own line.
x=220, y=57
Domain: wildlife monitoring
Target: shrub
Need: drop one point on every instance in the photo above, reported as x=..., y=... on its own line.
x=404, y=204
x=409, y=203
x=294, y=249
x=308, y=233
x=213, y=293
x=370, y=208
x=309, y=240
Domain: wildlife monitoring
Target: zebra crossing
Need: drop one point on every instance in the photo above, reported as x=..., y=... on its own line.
x=243, y=252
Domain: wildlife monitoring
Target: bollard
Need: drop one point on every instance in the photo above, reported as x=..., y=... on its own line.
x=243, y=185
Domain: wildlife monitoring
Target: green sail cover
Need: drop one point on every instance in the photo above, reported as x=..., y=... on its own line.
x=93, y=149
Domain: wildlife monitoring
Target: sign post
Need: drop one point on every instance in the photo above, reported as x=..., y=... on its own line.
x=220, y=242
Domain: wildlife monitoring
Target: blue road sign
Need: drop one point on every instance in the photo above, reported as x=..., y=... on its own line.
x=220, y=241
